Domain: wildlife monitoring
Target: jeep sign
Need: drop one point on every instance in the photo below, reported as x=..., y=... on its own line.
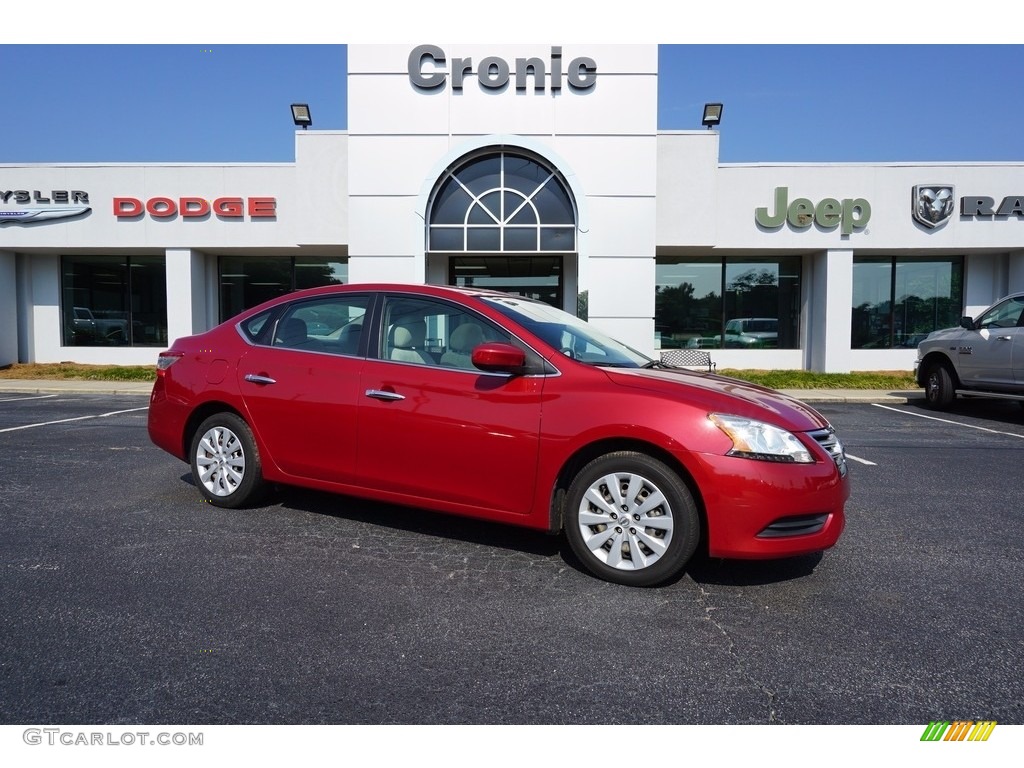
x=848, y=214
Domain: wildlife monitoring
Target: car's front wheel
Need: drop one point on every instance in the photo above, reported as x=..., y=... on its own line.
x=939, y=391
x=631, y=520
x=225, y=462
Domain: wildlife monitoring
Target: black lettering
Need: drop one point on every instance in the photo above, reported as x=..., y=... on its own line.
x=426, y=53
x=527, y=67
x=427, y=69
x=77, y=196
x=493, y=72
x=460, y=68
x=976, y=206
x=60, y=195
x=1011, y=205
x=582, y=72
x=38, y=197
x=556, y=68
x=5, y=196
x=21, y=196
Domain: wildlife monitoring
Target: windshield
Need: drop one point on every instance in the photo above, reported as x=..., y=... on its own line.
x=571, y=336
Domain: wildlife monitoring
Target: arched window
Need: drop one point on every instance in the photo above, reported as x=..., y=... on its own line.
x=500, y=202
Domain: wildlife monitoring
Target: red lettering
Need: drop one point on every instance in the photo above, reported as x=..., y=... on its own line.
x=191, y=207
x=126, y=207
x=229, y=207
x=262, y=207
x=161, y=207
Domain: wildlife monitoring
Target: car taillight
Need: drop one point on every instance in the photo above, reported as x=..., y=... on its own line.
x=166, y=360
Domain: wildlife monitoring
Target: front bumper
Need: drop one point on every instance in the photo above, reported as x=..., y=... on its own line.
x=761, y=510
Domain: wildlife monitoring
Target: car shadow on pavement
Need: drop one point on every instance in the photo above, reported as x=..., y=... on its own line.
x=747, y=573
x=701, y=569
x=414, y=520
x=1003, y=411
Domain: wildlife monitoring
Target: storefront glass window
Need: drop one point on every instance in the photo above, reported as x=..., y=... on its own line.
x=537, y=277
x=114, y=301
x=899, y=301
x=732, y=302
x=246, y=281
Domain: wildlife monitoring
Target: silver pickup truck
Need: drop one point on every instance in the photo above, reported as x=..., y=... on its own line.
x=112, y=330
x=984, y=357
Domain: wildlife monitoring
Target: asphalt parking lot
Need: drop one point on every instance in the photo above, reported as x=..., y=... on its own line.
x=126, y=599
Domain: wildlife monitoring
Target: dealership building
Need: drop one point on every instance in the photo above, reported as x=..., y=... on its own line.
x=537, y=169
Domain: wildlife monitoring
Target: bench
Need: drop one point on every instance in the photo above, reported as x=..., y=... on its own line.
x=688, y=358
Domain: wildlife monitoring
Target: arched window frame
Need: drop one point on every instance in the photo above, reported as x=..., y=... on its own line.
x=487, y=227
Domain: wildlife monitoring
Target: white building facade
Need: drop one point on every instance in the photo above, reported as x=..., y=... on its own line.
x=537, y=169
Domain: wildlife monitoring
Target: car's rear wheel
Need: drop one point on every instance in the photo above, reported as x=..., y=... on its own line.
x=225, y=462
x=631, y=520
x=939, y=391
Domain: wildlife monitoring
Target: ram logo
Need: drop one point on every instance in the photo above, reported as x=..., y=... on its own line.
x=933, y=204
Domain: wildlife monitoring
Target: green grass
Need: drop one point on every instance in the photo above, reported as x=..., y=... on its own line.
x=79, y=372
x=889, y=380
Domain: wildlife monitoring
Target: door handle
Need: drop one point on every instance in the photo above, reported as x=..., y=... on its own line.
x=1004, y=338
x=380, y=394
x=256, y=378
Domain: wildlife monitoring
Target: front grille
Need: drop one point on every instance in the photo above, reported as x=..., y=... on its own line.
x=827, y=439
x=799, y=525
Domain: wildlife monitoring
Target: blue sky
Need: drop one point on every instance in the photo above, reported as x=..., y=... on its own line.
x=138, y=89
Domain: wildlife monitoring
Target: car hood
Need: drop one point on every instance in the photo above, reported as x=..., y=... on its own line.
x=944, y=333
x=721, y=394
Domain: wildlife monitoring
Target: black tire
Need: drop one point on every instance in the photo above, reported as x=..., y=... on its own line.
x=939, y=391
x=226, y=463
x=656, y=503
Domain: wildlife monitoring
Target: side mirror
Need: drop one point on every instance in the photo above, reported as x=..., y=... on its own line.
x=498, y=357
x=967, y=322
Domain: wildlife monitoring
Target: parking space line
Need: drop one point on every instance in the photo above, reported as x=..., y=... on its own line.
x=948, y=421
x=76, y=418
x=32, y=397
x=862, y=461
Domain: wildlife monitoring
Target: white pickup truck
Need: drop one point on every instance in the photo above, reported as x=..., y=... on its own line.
x=983, y=357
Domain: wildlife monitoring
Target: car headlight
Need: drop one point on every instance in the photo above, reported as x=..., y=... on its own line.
x=752, y=439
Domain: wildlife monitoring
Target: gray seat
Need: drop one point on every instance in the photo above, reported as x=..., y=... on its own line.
x=461, y=344
x=406, y=342
x=292, y=333
x=348, y=339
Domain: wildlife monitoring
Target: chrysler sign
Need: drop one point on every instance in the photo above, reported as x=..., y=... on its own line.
x=57, y=204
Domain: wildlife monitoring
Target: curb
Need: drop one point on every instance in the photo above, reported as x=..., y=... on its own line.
x=28, y=387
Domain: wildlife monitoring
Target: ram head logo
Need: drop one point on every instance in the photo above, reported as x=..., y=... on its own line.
x=932, y=204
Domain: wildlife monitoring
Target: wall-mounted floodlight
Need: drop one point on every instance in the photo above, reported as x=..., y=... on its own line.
x=301, y=116
x=712, y=115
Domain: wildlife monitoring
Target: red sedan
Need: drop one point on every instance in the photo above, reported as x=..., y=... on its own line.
x=499, y=407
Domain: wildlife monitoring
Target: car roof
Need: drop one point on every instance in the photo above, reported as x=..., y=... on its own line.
x=421, y=289
x=434, y=290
